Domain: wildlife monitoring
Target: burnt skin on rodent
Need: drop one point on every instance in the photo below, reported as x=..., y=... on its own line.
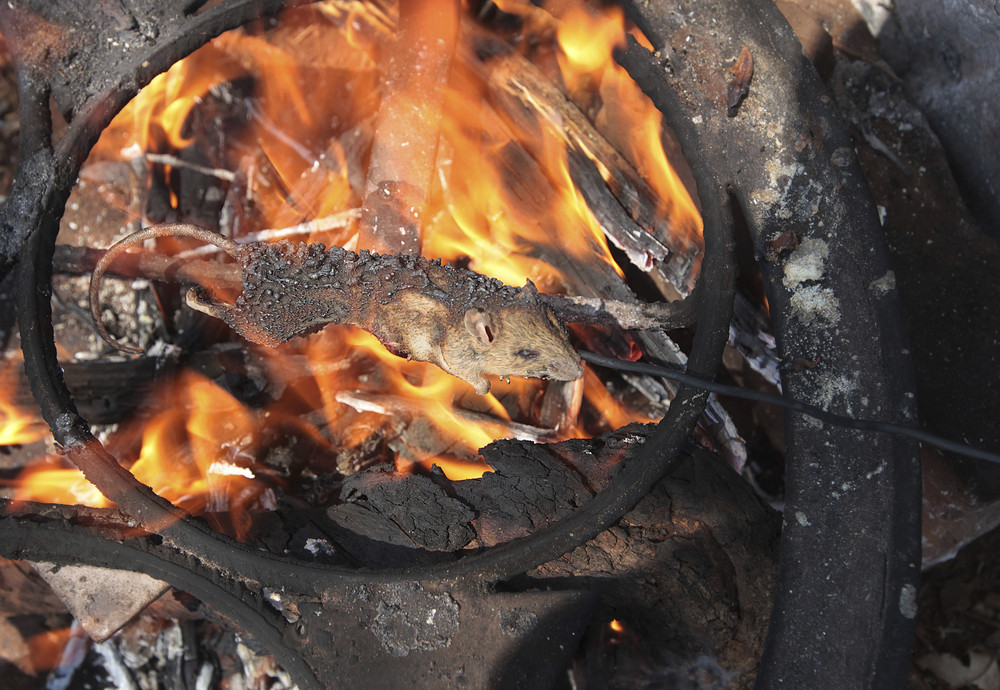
x=466, y=323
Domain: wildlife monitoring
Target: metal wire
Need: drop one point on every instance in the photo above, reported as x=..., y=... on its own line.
x=790, y=404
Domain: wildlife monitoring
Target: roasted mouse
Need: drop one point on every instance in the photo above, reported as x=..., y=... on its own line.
x=466, y=323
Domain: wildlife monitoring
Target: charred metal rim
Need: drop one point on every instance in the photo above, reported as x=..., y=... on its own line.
x=844, y=609
x=58, y=539
x=186, y=539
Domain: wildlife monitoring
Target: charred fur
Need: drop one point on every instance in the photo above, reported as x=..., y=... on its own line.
x=466, y=323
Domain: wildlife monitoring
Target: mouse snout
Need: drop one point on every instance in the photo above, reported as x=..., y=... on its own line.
x=567, y=370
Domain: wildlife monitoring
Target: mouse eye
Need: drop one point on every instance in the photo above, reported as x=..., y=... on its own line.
x=527, y=354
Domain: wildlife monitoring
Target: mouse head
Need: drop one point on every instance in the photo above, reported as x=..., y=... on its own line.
x=521, y=338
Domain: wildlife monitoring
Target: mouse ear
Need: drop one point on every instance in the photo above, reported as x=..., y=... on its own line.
x=479, y=324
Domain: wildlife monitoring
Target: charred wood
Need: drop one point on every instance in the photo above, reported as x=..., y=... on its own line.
x=70, y=260
x=106, y=392
x=632, y=315
x=702, y=534
x=625, y=205
x=560, y=404
x=419, y=437
x=750, y=334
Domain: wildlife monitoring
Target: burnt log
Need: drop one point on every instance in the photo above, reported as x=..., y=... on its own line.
x=107, y=391
x=629, y=211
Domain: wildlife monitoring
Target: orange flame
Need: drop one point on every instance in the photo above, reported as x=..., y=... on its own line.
x=18, y=426
x=502, y=194
x=195, y=452
x=49, y=481
x=587, y=40
x=359, y=403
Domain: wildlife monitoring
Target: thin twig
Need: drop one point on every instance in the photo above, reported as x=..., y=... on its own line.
x=630, y=315
x=174, y=161
x=334, y=221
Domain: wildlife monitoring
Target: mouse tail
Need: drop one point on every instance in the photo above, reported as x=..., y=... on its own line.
x=137, y=238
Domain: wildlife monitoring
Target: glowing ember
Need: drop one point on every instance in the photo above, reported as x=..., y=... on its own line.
x=306, y=92
x=45, y=649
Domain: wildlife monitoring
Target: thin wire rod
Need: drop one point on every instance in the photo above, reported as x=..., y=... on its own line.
x=791, y=404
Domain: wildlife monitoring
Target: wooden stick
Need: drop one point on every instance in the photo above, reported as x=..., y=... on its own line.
x=150, y=265
x=622, y=201
x=568, y=309
x=404, y=151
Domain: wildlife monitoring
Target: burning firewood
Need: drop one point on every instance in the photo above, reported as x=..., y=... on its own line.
x=406, y=136
x=467, y=324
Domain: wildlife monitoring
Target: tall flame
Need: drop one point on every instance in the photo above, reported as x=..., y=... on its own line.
x=306, y=93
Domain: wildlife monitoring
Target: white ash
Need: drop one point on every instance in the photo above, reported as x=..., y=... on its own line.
x=814, y=302
x=806, y=263
x=832, y=387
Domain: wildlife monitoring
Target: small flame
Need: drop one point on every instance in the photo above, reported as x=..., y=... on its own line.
x=195, y=452
x=616, y=626
x=18, y=426
x=49, y=481
x=157, y=119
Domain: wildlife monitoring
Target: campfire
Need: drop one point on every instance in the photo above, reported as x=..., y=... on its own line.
x=275, y=132
x=357, y=247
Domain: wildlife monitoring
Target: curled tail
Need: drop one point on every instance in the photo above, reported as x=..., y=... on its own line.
x=164, y=230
